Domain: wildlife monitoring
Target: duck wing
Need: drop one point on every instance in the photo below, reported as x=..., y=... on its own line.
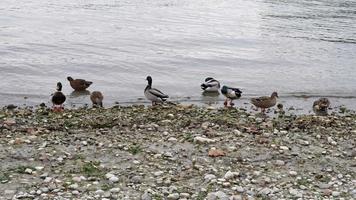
x=83, y=82
x=158, y=93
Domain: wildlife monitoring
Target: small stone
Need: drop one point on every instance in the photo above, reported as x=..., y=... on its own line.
x=203, y=140
x=113, y=179
x=335, y=193
x=293, y=173
x=74, y=186
x=280, y=162
x=184, y=195
x=209, y=177
x=230, y=175
x=173, y=196
x=146, y=196
x=172, y=139
x=284, y=148
x=296, y=193
x=77, y=179
x=158, y=173
x=28, y=171
x=114, y=190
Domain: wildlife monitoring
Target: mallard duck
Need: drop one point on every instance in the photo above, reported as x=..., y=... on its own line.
x=96, y=98
x=210, y=85
x=58, y=98
x=153, y=94
x=79, y=84
x=320, y=106
x=230, y=94
x=265, y=102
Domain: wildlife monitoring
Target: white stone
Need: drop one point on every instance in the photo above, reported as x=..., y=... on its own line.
x=280, y=162
x=113, y=179
x=230, y=175
x=173, y=196
x=28, y=171
x=293, y=173
x=209, y=177
x=172, y=139
x=74, y=186
x=284, y=148
x=203, y=140
x=114, y=190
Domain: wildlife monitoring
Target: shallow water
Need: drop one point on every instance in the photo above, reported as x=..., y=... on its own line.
x=298, y=48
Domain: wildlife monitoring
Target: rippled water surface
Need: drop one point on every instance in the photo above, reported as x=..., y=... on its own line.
x=296, y=47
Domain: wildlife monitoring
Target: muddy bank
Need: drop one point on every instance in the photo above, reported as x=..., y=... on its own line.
x=175, y=152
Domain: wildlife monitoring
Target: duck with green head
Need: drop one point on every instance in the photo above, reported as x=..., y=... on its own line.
x=231, y=94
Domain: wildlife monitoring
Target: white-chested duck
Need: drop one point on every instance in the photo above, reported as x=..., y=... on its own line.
x=58, y=99
x=265, y=102
x=231, y=94
x=321, y=106
x=79, y=84
x=210, y=85
x=152, y=94
x=96, y=98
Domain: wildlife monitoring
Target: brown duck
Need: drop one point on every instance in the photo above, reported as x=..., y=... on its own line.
x=96, y=98
x=79, y=84
x=265, y=102
x=320, y=106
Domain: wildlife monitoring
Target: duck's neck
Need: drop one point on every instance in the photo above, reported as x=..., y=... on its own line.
x=149, y=86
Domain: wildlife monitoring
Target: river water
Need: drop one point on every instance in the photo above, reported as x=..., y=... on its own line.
x=300, y=48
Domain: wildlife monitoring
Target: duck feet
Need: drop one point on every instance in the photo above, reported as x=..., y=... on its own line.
x=225, y=103
x=231, y=104
x=58, y=108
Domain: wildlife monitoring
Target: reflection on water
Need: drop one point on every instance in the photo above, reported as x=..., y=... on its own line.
x=76, y=94
x=210, y=98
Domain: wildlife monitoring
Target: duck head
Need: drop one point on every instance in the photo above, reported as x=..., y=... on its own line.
x=70, y=78
x=274, y=95
x=208, y=79
x=59, y=86
x=149, y=79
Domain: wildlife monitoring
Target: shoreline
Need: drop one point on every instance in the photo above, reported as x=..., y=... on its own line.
x=175, y=152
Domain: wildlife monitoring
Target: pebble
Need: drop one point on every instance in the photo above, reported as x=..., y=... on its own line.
x=219, y=195
x=28, y=171
x=280, y=162
x=284, y=148
x=230, y=175
x=293, y=173
x=172, y=139
x=209, y=177
x=113, y=179
x=74, y=186
x=335, y=193
x=203, y=140
x=114, y=190
x=296, y=193
x=173, y=196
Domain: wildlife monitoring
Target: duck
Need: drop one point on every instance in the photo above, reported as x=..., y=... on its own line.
x=320, y=106
x=79, y=84
x=96, y=98
x=210, y=85
x=154, y=95
x=58, y=98
x=231, y=94
x=265, y=102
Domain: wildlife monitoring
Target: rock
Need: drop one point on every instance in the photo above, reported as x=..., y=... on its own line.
x=73, y=186
x=136, y=179
x=146, y=196
x=209, y=177
x=216, y=152
x=335, y=193
x=172, y=139
x=158, y=173
x=203, y=140
x=280, y=162
x=293, y=173
x=236, y=197
x=77, y=179
x=113, y=179
x=184, y=195
x=205, y=125
x=173, y=196
x=296, y=193
x=28, y=171
x=114, y=190
x=109, y=175
x=265, y=191
x=284, y=148
x=219, y=195
x=230, y=175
